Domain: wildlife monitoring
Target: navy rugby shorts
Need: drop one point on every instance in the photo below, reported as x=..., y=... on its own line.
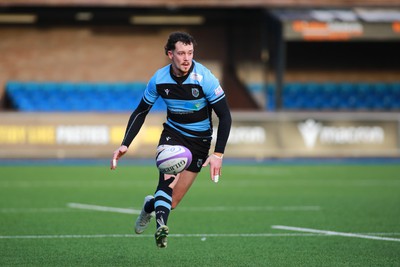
x=198, y=146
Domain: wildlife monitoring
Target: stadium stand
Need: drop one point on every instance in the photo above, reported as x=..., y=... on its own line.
x=76, y=97
x=376, y=96
x=123, y=97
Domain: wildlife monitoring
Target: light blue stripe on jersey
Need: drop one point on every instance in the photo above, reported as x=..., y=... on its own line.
x=185, y=105
x=162, y=203
x=161, y=193
x=197, y=126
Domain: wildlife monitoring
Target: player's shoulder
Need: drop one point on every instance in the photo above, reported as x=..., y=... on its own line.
x=200, y=68
x=162, y=74
x=162, y=70
x=200, y=72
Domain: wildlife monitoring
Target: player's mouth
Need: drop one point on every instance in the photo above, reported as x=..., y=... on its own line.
x=186, y=66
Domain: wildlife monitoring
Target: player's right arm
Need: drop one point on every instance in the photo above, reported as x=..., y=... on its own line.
x=135, y=123
x=136, y=120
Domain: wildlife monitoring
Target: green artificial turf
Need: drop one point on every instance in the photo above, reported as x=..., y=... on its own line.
x=226, y=224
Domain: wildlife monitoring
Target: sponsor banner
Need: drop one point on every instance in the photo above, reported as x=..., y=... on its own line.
x=347, y=138
x=255, y=135
x=73, y=135
x=339, y=24
x=315, y=30
x=290, y=136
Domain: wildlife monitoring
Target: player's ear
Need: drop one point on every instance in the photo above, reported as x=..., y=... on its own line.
x=170, y=54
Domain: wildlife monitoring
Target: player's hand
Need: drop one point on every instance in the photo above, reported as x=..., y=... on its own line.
x=117, y=155
x=215, y=162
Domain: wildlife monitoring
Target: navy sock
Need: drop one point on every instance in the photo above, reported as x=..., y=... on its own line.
x=162, y=204
x=149, y=206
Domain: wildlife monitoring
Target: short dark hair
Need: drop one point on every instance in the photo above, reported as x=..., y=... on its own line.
x=178, y=37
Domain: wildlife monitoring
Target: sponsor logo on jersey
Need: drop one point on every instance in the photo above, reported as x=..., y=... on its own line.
x=218, y=91
x=196, y=76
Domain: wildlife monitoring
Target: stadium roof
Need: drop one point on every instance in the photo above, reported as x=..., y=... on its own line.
x=204, y=3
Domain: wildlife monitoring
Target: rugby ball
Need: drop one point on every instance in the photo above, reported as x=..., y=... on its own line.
x=173, y=159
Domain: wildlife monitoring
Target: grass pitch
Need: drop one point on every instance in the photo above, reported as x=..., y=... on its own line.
x=348, y=215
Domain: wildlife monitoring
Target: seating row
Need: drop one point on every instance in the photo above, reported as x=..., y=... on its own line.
x=81, y=97
x=124, y=97
x=333, y=96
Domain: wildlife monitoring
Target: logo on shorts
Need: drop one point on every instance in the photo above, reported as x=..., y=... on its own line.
x=199, y=163
x=195, y=92
x=166, y=91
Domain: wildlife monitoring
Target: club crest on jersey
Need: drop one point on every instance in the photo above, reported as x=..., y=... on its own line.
x=195, y=92
x=166, y=91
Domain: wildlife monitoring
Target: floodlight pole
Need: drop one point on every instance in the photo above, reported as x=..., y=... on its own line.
x=279, y=66
x=277, y=46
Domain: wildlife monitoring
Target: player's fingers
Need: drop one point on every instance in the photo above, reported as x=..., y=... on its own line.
x=215, y=176
x=113, y=164
x=212, y=173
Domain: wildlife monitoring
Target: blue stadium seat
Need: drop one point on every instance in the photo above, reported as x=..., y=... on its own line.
x=124, y=96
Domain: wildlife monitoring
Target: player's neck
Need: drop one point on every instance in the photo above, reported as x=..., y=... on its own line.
x=177, y=73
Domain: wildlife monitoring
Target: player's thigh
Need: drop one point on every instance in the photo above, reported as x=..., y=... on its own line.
x=182, y=185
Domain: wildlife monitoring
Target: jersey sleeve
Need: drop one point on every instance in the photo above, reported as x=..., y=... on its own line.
x=212, y=88
x=150, y=94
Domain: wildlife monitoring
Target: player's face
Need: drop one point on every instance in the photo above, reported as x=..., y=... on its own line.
x=181, y=58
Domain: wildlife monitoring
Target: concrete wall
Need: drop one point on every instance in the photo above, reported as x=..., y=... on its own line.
x=253, y=135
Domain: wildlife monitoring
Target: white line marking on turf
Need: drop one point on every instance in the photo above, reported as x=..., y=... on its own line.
x=152, y=236
x=196, y=209
x=134, y=211
x=324, y=232
x=102, y=208
x=171, y=235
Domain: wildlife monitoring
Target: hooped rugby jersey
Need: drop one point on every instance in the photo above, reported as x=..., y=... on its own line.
x=188, y=100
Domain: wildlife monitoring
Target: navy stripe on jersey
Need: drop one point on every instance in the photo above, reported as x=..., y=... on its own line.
x=174, y=91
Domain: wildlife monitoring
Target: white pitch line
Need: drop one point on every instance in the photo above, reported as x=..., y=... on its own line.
x=171, y=235
x=102, y=208
x=152, y=236
x=196, y=209
x=324, y=232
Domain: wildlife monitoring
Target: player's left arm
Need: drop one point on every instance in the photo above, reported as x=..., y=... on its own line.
x=223, y=113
